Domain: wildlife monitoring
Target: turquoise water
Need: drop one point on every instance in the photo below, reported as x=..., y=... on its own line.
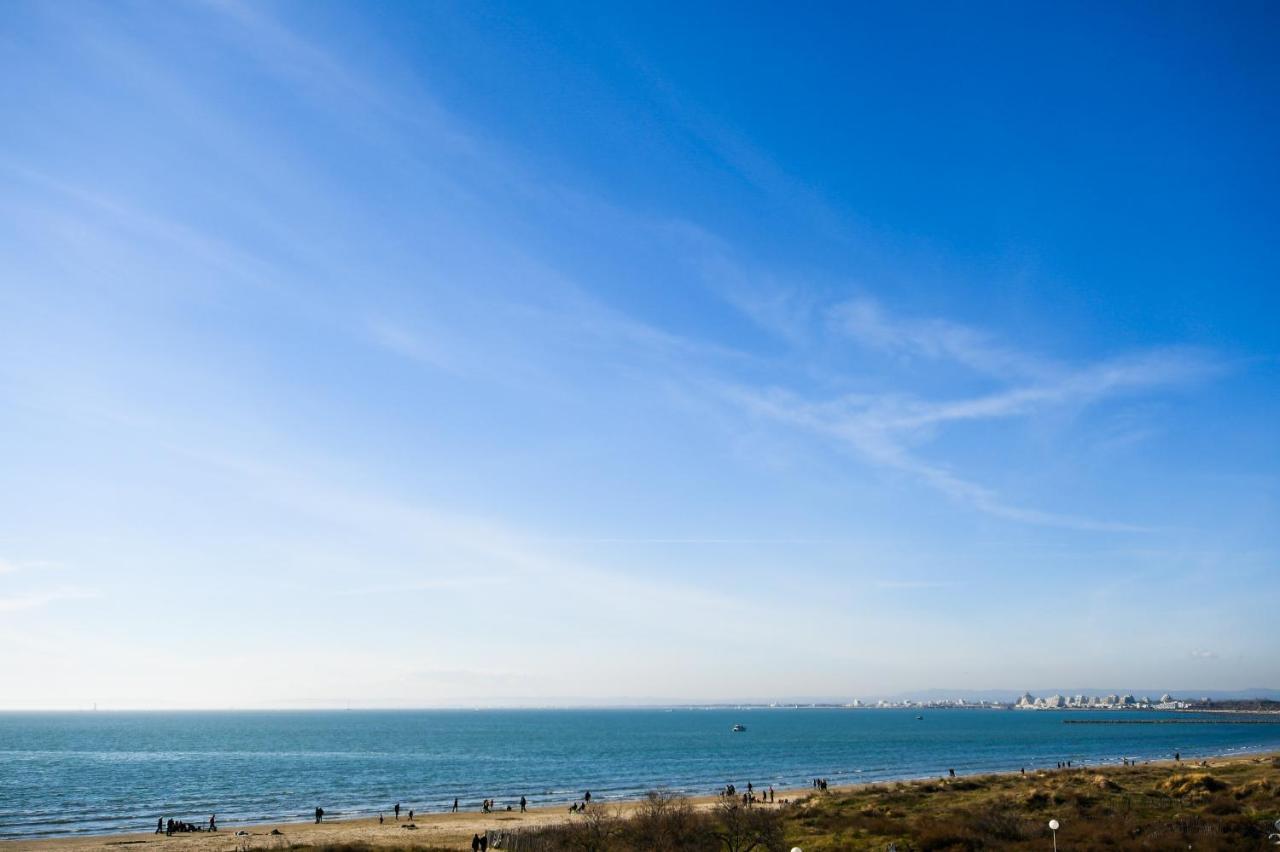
x=64, y=773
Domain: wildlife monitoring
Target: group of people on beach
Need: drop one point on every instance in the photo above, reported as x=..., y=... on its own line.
x=396, y=810
x=174, y=826
x=730, y=791
x=820, y=784
x=487, y=806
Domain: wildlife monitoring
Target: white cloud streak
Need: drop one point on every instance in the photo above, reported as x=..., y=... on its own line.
x=865, y=322
x=880, y=428
x=37, y=599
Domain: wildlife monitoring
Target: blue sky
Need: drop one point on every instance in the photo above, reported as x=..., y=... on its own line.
x=468, y=354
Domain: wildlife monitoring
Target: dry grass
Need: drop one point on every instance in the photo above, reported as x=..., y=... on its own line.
x=1230, y=806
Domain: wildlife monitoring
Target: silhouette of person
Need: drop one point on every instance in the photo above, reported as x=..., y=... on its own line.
x=379, y=818
x=484, y=842
x=586, y=797
x=397, y=809
x=160, y=826
x=319, y=815
x=522, y=804
x=455, y=805
x=410, y=814
x=475, y=843
x=213, y=822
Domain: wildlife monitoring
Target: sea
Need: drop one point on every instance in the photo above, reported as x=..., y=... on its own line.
x=106, y=772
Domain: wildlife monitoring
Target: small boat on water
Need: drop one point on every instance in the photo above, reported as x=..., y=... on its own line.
x=919, y=718
x=737, y=729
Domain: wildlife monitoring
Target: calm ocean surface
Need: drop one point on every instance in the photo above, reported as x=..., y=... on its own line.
x=104, y=772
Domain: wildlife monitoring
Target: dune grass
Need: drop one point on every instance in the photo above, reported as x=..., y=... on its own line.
x=1228, y=806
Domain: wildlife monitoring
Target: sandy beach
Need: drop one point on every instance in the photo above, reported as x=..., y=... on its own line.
x=443, y=830
x=448, y=830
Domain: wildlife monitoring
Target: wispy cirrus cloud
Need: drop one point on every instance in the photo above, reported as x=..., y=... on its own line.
x=37, y=599
x=883, y=429
x=916, y=584
x=11, y=566
x=866, y=322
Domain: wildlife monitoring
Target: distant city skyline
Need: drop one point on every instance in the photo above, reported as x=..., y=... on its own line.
x=482, y=354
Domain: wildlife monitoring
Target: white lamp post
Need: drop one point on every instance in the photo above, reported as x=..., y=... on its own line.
x=1053, y=826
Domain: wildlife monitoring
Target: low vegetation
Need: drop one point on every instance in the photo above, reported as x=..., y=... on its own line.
x=1232, y=806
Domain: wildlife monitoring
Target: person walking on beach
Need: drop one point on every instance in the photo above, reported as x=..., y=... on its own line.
x=586, y=797
x=475, y=843
x=160, y=826
x=523, y=802
x=410, y=814
x=213, y=822
x=397, y=810
x=455, y=804
x=319, y=815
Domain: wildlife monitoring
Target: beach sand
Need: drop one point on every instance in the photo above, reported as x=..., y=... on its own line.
x=447, y=830
x=440, y=830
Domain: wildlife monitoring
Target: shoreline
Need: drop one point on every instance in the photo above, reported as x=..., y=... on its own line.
x=430, y=829
x=449, y=830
